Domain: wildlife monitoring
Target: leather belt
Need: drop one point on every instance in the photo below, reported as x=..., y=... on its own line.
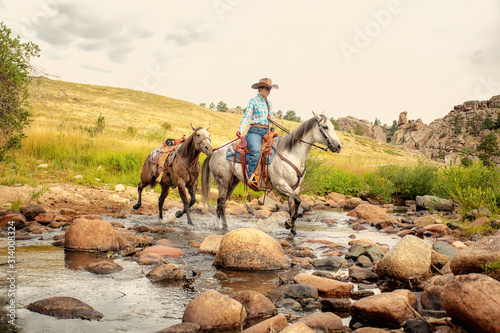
x=259, y=126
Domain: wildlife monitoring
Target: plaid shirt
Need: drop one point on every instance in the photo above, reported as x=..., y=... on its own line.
x=256, y=112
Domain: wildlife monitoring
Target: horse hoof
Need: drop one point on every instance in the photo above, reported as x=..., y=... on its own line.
x=287, y=225
x=178, y=213
x=137, y=206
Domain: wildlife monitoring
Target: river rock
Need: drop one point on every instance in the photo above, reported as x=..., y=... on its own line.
x=250, y=249
x=31, y=211
x=91, y=235
x=384, y=310
x=167, y=272
x=151, y=259
x=182, y=328
x=429, y=202
x=103, y=267
x=273, y=324
x=298, y=327
x=18, y=219
x=300, y=291
x=333, y=263
x=162, y=250
x=371, y=330
x=444, y=248
x=473, y=258
x=64, y=308
x=212, y=310
x=256, y=304
x=409, y=259
x=472, y=300
x=211, y=244
x=369, y=212
x=431, y=298
x=361, y=274
x=329, y=287
x=323, y=322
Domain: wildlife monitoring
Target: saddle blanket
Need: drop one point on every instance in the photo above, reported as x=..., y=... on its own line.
x=269, y=158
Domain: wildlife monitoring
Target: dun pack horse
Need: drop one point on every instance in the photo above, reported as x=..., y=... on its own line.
x=181, y=169
x=286, y=171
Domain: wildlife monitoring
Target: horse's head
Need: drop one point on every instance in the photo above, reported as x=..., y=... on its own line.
x=202, y=140
x=327, y=135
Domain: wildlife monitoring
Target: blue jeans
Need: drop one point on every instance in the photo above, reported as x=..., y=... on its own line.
x=254, y=142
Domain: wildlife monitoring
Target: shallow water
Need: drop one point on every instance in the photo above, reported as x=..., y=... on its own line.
x=129, y=301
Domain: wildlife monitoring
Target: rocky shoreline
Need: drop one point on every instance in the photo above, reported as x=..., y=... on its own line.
x=432, y=280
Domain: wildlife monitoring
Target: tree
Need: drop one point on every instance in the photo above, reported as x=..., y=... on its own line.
x=392, y=130
x=212, y=106
x=203, y=105
x=290, y=115
x=456, y=123
x=222, y=107
x=377, y=122
x=15, y=78
x=279, y=114
x=489, y=145
x=336, y=124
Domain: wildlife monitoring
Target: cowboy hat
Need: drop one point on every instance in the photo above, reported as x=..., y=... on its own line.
x=265, y=82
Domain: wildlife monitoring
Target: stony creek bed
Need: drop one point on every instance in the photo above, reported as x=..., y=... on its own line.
x=130, y=302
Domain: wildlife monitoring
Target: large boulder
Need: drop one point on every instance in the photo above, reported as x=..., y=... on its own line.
x=323, y=322
x=251, y=249
x=384, y=310
x=472, y=259
x=64, y=308
x=429, y=202
x=212, y=310
x=409, y=259
x=91, y=235
x=472, y=300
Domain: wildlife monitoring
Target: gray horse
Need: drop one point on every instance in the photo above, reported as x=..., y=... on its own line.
x=286, y=172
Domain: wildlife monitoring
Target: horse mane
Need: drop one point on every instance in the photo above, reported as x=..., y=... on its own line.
x=185, y=148
x=288, y=141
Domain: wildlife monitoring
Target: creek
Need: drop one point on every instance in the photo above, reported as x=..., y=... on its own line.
x=129, y=301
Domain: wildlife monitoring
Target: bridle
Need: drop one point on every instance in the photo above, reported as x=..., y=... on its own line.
x=321, y=130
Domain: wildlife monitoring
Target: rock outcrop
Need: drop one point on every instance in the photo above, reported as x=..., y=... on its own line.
x=354, y=125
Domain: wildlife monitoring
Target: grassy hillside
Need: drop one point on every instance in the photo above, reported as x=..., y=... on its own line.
x=104, y=134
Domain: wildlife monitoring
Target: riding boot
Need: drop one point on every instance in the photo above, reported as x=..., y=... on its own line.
x=252, y=182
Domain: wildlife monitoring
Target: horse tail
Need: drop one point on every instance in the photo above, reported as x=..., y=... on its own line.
x=206, y=180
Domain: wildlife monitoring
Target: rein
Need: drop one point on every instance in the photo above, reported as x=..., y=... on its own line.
x=309, y=143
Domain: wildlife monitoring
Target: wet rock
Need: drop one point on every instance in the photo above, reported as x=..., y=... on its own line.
x=273, y=324
x=151, y=259
x=472, y=300
x=323, y=322
x=473, y=258
x=18, y=219
x=256, y=304
x=361, y=274
x=291, y=304
x=103, y=267
x=409, y=259
x=333, y=263
x=45, y=218
x=359, y=294
x=364, y=261
x=298, y=327
x=250, y=249
x=68, y=212
x=64, y=308
x=182, y=328
x=31, y=211
x=335, y=305
x=328, y=287
x=417, y=326
x=302, y=262
x=438, y=260
x=300, y=291
x=91, y=235
x=439, y=229
x=429, y=202
x=212, y=310
x=162, y=250
x=211, y=244
x=384, y=310
x=444, y=248
x=431, y=298
x=369, y=212
x=167, y=272
x=370, y=330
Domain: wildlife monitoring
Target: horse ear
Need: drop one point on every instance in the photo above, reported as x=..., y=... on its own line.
x=194, y=129
x=316, y=116
x=208, y=127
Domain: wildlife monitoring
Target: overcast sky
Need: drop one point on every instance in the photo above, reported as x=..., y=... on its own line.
x=365, y=58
